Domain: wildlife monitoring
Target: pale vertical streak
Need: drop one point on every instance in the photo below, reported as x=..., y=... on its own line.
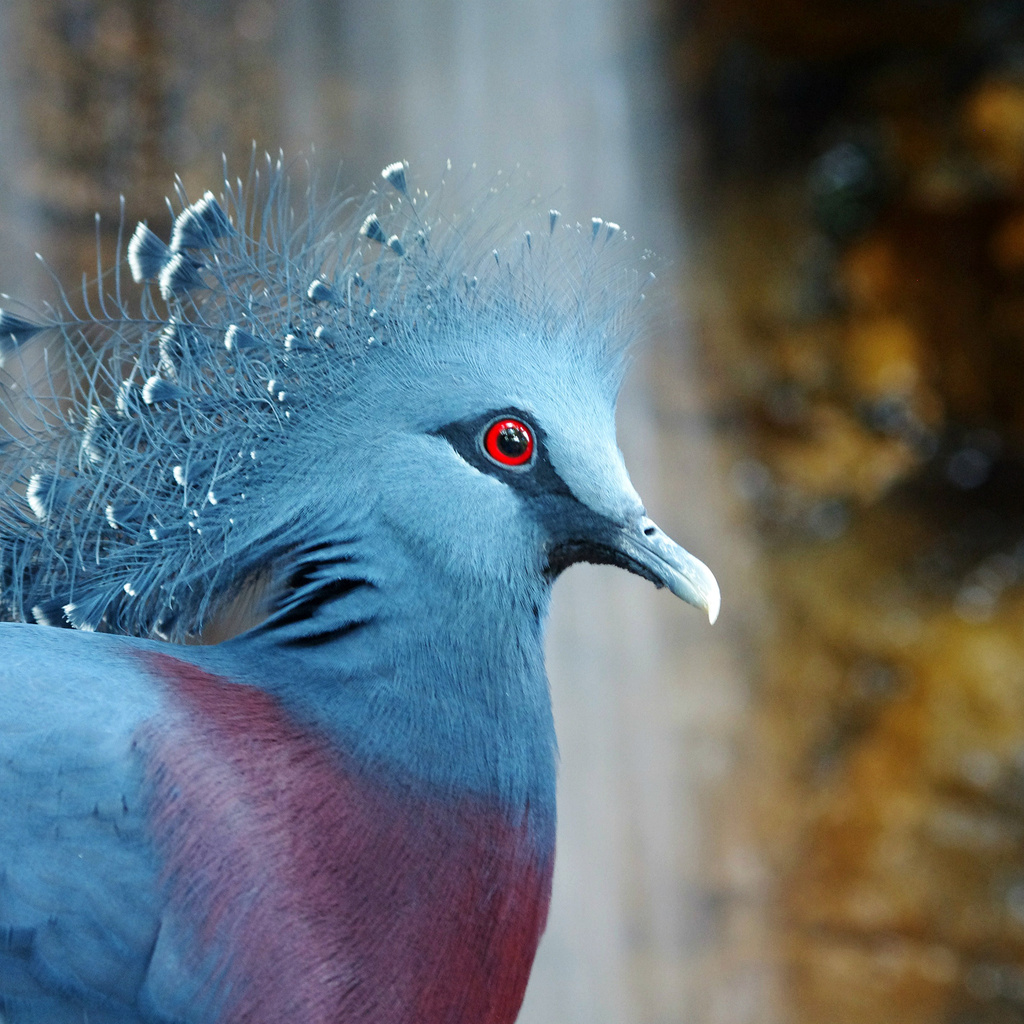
x=542, y=85
x=545, y=86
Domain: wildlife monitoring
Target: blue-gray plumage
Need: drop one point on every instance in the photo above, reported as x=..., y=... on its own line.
x=382, y=432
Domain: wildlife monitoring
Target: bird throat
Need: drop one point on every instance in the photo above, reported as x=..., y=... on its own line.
x=344, y=895
x=446, y=686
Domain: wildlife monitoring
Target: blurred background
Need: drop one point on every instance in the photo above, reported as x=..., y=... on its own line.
x=814, y=812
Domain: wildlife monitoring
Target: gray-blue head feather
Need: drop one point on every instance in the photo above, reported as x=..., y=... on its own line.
x=322, y=380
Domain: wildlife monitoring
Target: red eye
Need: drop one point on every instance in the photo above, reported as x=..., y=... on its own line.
x=509, y=442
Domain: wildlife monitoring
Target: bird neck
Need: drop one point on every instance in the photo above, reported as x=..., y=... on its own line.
x=446, y=689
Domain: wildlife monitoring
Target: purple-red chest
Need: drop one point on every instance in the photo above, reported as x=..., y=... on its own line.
x=326, y=896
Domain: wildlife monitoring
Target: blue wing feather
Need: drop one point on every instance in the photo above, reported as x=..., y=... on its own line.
x=80, y=902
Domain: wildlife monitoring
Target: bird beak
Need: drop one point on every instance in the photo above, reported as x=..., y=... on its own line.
x=651, y=553
x=634, y=544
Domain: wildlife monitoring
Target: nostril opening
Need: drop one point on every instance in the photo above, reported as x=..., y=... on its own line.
x=649, y=531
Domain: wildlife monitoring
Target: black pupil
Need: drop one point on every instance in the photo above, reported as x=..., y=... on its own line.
x=512, y=441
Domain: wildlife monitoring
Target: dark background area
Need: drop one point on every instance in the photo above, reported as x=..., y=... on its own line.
x=857, y=191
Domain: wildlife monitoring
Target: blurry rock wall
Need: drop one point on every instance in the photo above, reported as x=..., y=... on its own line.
x=857, y=186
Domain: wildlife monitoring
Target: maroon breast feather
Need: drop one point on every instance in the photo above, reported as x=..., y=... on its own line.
x=324, y=893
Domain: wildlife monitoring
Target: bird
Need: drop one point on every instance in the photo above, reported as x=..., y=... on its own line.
x=369, y=434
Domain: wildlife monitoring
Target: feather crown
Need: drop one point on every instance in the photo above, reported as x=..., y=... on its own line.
x=145, y=479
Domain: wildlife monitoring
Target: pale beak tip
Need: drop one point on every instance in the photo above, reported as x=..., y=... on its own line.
x=670, y=565
x=714, y=604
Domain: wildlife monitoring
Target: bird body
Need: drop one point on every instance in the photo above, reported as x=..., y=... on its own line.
x=347, y=811
x=199, y=792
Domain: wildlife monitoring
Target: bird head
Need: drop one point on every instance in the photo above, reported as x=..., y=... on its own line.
x=411, y=381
